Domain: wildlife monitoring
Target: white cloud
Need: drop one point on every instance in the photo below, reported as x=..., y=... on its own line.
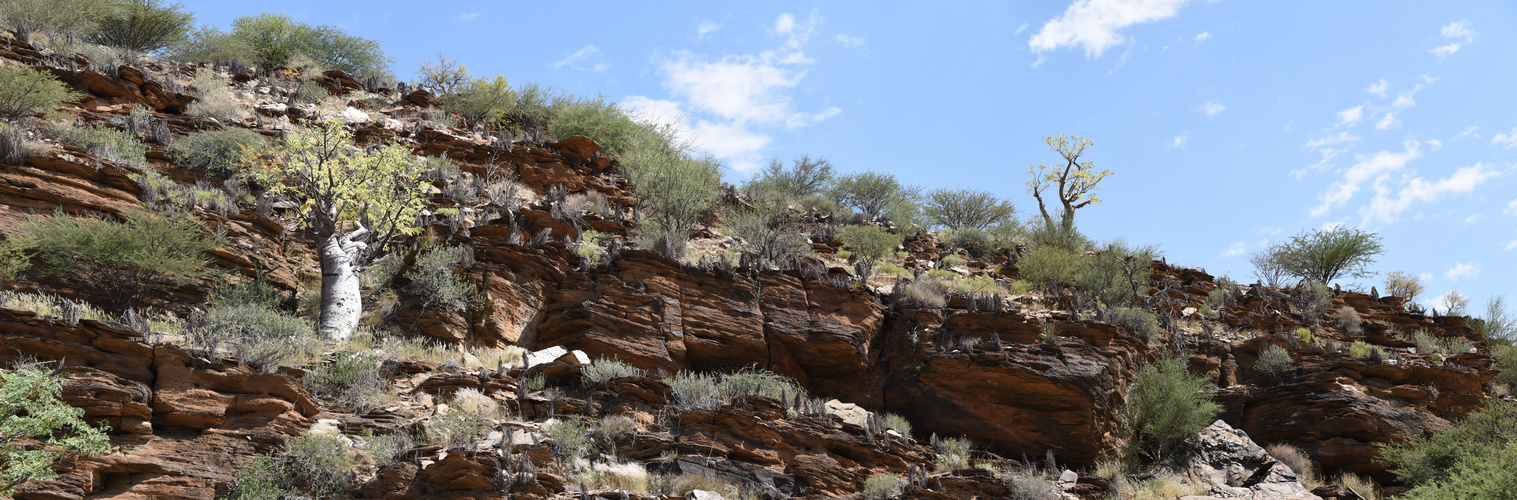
x=1469, y=132
x=1093, y=24
x=587, y=58
x=1341, y=137
x=1457, y=29
x=1212, y=108
x=1236, y=249
x=1351, y=116
x=1462, y=270
x=741, y=88
x=1507, y=140
x=1473, y=219
x=1386, y=121
x=850, y=40
x=468, y=18
x=1203, y=36
x=1511, y=245
x=1179, y=141
x=1511, y=208
x=1387, y=208
x=1403, y=101
x=707, y=27
x=796, y=34
x=1378, y=88
x=1020, y=29
x=1445, y=50
x=1366, y=169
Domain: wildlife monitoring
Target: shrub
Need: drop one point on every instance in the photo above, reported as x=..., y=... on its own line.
x=30, y=410
x=868, y=192
x=124, y=260
x=262, y=478
x=1498, y=325
x=1305, y=334
x=569, y=439
x=604, y=121
x=533, y=107
x=1325, y=255
x=1051, y=266
x=1348, y=320
x=274, y=40
x=869, y=243
x=1449, y=346
x=897, y=423
x=980, y=244
x=14, y=148
x=1306, y=470
x=700, y=391
x=966, y=208
x=1405, y=285
x=1273, y=361
x=881, y=485
x=387, y=449
x=455, y=429
x=768, y=233
x=443, y=76
x=1470, y=460
x=214, y=99
x=603, y=370
x=26, y=92
x=1312, y=299
x=254, y=334
x=1117, y=275
x=320, y=463
x=953, y=453
x=480, y=101
x=352, y=382
x=1165, y=404
x=1029, y=485
x=209, y=45
x=218, y=153
x=311, y=92
x=1362, y=488
x=805, y=177
x=1362, y=349
x=1453, y=303
x=1137, y=321
x=142, y=26
x=679, y=189
x=923, y=293
x=433, y=278
x=103, y=141
x=55, y=17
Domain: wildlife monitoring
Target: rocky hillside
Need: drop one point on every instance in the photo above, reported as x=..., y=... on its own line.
x=571, y=369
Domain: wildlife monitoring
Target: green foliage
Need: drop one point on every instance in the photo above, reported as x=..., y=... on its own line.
x=1074, y=183
x=869, y=243
x=214, y=99
x=966, y=208
x=1051, y=266
x=455, y=428
x=1325, y=255
x=14, y=146
x=927, y=292
x=882, y=485
x=387, y=449
x=1165, y=404
x=209, y=45
x=433, y=278
x=481, y=101
x=1349, y=321
x=1273, y=361
x=442, y=77
x=706, y=391
x=1498, y=325
x=218, y=153
x=1473, y=459
x=868, y=192
x=1312, y=299
x=804, y=178
x=1305, y=334
x=1506, y=365
x=1362, y=349
x=1405, y=285
x=123, y=260
x=982, y=244
x=1137, y=321
x=312, y=92
x=68, y=18
x=255, y=334
x=1117, y=275
x=606, y=123
x=30, y=409
x=103, y=141
x=352, y=381
x=568, y=438
x=768, y=231
x=1430, y=344
x=262, y=478
x=897, y=423
x=274, y=40
x=953, y=453
x=1041, y=234
x=26, y=92
x=142, y=26
x=603, y=370
x=320, y=463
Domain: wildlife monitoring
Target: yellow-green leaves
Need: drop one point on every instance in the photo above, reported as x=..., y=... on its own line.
x=1075, y=181
x=337, y=183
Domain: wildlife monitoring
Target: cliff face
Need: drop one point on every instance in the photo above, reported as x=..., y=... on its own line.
x=182, y=425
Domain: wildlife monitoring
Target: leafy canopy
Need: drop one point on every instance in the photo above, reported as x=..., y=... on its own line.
x=30, y=409
x=142, y=26
x=1074, y=183
x=1471, y=460
x=1325, y=255
x=967, y=208
x=25, y=92
x=1165, y=404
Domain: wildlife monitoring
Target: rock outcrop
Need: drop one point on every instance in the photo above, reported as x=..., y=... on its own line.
x=1231, y=465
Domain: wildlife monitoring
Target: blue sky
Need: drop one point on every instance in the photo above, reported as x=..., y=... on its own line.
x=1228, y=123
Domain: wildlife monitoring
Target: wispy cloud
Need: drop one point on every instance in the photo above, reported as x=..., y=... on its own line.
x=1179, y=141
x=1368, y=167
x=1462, y=270
x=1339, y=138
x=1212, y=108
x=1458, y=30
x=850, y=40
x=1351, y=116
x=1236, y=249
x=1511, y=208
x=587, y=58
x=707, y=27
x=468, y=18
x=1020, y=29
x=1378, y=88
x=1507, y=140
x=1203, y=36
x=1093, y=24
x=1402, y=102
x=1394, y=196
x=1469, y=132
x=1511, y=245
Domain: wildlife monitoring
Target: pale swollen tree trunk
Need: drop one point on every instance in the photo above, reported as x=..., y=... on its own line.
x=341, y=294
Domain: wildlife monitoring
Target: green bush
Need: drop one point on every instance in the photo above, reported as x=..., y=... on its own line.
x=869, y=243
x=311, y=92
x=433, y=278
x=26, y=92
x=14, y=146
x=218, y=153
x=868, y=192
x=768, y=232
x=805, y=177
x=262, y=478
x=1325, y=255
x=606, y=123
x=1498, y=326
x=568, y=439
x=678, y=189
x=1117, y=275
x=966, y=208
x=1051, y=267
x=881, y=485
x=1471, y=460
x=352, y=382
x=481, y=101
x=123, y=260
x=142, y=26
x=897, y=423
x=1165, y=404
x=1137, y=321
x=103, y=141
x=66, y=18
x=214, y=99
x=1362, y=349
x=1040, y=234
x=953, y=453
x=209, y=45
x=1273, y=361
x=603, y=370
x=254, y=334
x=927, y=292
x=274, y=40
x=705, y=391
x=387, y=449
x=1405, y=285
x=1312, y=299
x=455, y=429
x=30, y=410
x=982, y=244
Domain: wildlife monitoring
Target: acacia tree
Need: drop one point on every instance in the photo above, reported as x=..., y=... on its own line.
x=1074, y=182
x=354, y=201
x=961, y=208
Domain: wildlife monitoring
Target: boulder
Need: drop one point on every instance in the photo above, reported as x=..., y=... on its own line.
x=1231, y=465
